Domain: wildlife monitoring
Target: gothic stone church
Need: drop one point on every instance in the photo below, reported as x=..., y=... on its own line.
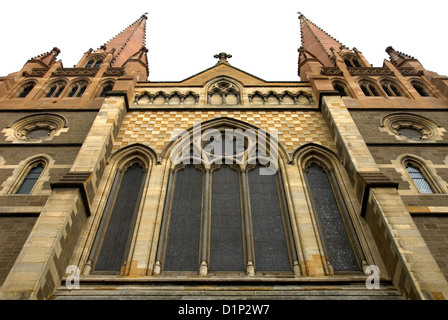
x=224, y=185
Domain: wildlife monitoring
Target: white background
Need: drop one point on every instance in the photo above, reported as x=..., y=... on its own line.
x=262, y=36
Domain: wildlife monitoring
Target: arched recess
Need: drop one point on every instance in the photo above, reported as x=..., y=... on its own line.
x=29, y=176
x=340, y=238
x=211, y=187
x=224, y=91
x=112, y=233
x=421, y=177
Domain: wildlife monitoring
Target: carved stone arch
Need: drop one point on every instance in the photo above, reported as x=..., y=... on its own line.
x=340, y=85
x=77, y=87
x=23, y=89
x=392, y=87
x=428, y=171
x=176, y=98
x=224, y=86
x=257, y=98
x=369, y=87
x=146, y=155
x=160, y=97
x=191, y=97
x=313, y=156
x=351, y=60
x=423, y=88
x=94, y=60
x=104, y=87
x=54, y=88
x=273, y=97
x=50, y=125
x=188, y=136
x=14, y=182
x=328, y=158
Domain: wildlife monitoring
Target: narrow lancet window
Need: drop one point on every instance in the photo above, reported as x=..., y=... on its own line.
x=31, y=179
x=268, y=227
x=226, y=244
x=118, y=221
x=333, y=228
x=183, y=239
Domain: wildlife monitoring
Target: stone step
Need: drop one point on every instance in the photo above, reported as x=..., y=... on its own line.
x=227, y=292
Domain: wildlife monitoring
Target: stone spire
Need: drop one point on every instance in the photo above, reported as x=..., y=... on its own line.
x=317, y=43
x=129, y=43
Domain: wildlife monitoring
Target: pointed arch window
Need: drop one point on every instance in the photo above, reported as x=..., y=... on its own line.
x=105, y=89
x=55, y=89
x=420, y=181
x=78, y=89
x=31, y=178
x=94, y=62
x=113, y=240
x=421, y=89
x=225, y=219
x=369, y=88
x=26, y=89
x=339, y=242
x=391, y=89
x=339, y=87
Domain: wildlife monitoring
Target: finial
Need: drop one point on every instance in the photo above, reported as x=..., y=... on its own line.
x=222, y=57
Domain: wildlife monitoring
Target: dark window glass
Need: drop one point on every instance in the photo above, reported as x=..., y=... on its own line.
x=374, y=91
x=98, y=64
x=226, y=244
x=333, y=230
x=182, y=248
x=27, y=89
x=116, y=240
x=356, y=63
x=410, y=133
x=340, y=89
x=271, y=253
x=89, y=64
x=31, y=179
x=388, y=92
x=396, y=91
x=105, y=90
x=419, y=179
x=420, y=89
x=366, y=92
x=73, y=91
x=38, y=133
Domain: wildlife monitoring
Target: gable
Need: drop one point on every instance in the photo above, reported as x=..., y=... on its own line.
x=223, y=70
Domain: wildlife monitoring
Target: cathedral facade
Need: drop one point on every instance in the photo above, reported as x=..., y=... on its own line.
x=224, y=185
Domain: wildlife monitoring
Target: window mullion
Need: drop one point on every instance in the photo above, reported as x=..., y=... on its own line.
x=205, y=234
x=250, y=269
x=164, y=226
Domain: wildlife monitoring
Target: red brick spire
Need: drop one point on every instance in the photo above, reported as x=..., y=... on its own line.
x=128, y=43
x=317, y=42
